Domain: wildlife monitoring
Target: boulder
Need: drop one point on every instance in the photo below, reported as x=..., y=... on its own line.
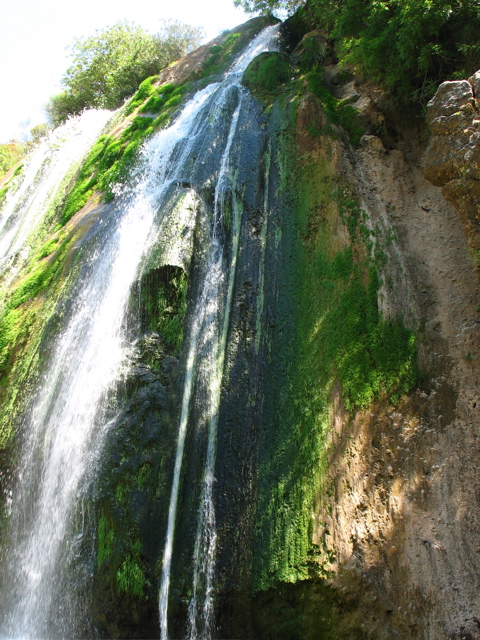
x=449, y=99
x=452, y=158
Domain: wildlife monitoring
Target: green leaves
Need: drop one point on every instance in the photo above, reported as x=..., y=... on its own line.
x=108, y=66
x=266, y=7
x=409, y=46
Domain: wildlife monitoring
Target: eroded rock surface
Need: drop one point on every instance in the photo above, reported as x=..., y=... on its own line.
x=452, y=159
x=399, y=513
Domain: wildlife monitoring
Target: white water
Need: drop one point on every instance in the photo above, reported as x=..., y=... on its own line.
x=68, y=423
x=44, y=171
x=210, y=325
x=69, y=420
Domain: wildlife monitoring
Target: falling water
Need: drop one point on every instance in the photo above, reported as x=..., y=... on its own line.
x=69, y=420
x=72, y=411
x=207, y=341
x=48, y=167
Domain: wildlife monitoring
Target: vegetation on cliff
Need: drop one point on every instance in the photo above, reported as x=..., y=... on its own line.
x=409, y=46
x=332, y=341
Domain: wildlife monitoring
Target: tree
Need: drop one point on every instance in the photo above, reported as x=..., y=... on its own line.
x=39, y=131
x=108, y=66
x=411, y=45
x=266, y=7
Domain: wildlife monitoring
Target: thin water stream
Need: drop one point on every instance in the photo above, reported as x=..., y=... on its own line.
x=210, y=327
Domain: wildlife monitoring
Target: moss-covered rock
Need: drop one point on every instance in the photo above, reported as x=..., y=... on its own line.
x=267, y=74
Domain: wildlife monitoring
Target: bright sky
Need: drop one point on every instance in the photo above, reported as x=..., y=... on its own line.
x=34, y=34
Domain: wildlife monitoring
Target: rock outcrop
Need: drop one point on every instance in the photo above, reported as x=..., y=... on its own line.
x=452, y=159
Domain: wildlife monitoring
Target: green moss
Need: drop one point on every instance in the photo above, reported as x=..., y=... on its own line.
x=163, y=300
x=40, y=273
x=86, y=180
x=3, y=193
x=106, y=541
x=159, y=98
x=125, y=487
x=49, y=247
x=27, y=304
x=19, y=309
x=130, y=576
x=120, y=562
x=172, y=306
x=221, y=55
x=9, y=183
x=329, y=339
x=267, y=74
x=144, y=475
x=339, y=113
x=369, y=356
x=111, y=159
x=145, y=90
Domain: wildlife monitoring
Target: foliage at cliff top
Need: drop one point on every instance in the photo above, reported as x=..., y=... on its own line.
x=108, y=66
x=409, y=46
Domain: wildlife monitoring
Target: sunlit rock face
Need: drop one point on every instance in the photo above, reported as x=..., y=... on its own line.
x=452, y=159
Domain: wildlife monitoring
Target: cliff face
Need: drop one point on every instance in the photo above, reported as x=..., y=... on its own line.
x=395, y=526
x=402, y=516
x=346, y=483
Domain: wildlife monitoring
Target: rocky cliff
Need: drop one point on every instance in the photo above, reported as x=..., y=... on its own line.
x=396, y=517
x=452, y=160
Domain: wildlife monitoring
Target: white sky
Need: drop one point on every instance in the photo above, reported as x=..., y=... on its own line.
x=34, y=34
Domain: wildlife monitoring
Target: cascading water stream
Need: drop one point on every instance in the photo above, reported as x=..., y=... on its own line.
x=71, y=414
x=210, y=327
x=205, y=543
x=69, y=420
x=45, y=170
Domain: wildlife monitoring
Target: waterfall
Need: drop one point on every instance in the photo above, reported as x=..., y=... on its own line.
x=46, y=168
x=68, y=423
x=208, y=341
x=71, y=415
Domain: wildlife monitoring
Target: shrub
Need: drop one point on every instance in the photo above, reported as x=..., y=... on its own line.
x=267, y=73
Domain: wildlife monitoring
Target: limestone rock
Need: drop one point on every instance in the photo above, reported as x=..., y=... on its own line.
x=475, y=82
x=452, y=159
x=450, y=97
x=373, y=143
